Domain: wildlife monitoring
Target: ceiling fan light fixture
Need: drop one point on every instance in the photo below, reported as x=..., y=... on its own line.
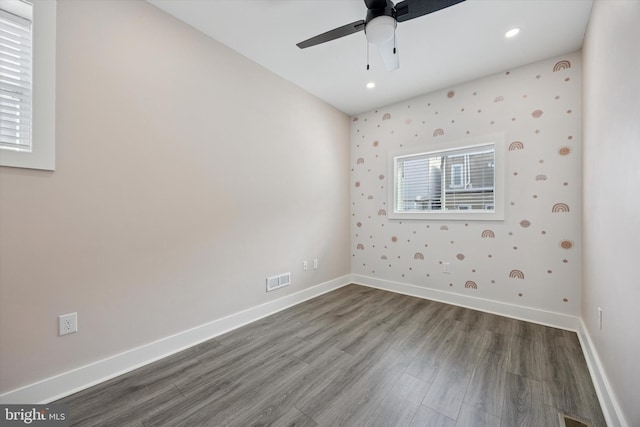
x=380, y=29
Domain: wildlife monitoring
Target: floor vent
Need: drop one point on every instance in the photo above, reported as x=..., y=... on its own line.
x=279, y=281
x=567, y=421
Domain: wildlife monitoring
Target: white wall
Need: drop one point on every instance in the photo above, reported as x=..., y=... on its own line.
x=186, y=174
x=611, y=195
x=537, y=107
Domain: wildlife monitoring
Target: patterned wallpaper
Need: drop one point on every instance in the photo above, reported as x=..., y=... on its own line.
x=532, y=258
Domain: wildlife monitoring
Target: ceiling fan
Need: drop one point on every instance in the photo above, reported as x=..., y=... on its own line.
x=380, y=25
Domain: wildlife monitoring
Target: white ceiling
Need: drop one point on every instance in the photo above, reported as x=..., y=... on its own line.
x=437, y=51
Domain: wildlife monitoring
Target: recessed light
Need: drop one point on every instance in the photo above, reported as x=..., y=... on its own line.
x=512, y=33
x=371, y=85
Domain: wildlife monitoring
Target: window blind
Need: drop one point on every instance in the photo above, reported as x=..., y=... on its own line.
x=15, y=81
x=469, y=179
x=451, y=180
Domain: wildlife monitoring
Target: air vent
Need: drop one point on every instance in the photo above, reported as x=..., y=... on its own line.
x=279, y=281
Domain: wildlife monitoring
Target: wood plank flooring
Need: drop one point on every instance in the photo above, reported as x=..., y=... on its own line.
x=358, y=356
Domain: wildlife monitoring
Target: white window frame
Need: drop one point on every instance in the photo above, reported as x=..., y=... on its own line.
x=496, y=214
x=43, y=127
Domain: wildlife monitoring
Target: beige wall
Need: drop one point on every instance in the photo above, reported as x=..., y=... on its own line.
x=532, y=258
x=612, y=195
x=186, y=175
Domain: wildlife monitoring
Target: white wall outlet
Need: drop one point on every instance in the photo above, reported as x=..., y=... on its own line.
x=315, y=264
x=67, y=323
x=446, y=267
x=305, y=265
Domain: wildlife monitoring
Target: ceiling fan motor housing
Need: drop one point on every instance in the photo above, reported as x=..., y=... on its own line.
x=380, y=21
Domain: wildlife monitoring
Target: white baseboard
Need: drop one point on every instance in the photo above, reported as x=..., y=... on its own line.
x=67, y=383
x=547, y=318
x=610, y=407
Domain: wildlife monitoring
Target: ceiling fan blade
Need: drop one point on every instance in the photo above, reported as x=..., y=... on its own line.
x=409, y=9
x=376, y=4
x=389, y=53
x=336, y=33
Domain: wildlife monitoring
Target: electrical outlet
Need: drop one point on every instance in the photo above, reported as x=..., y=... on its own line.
x=67, y=323
x=315, y=264
x=305, y=265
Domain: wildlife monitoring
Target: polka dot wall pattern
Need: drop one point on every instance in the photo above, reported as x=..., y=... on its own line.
x=532, y=258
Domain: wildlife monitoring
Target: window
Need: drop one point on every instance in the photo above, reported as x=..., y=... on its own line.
x=15, y=79
x=458, y=180
x=27, y=84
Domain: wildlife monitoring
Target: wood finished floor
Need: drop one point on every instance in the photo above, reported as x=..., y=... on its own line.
x=358, y=356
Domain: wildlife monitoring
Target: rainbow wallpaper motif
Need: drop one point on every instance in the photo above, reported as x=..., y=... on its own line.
x=532, y=258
